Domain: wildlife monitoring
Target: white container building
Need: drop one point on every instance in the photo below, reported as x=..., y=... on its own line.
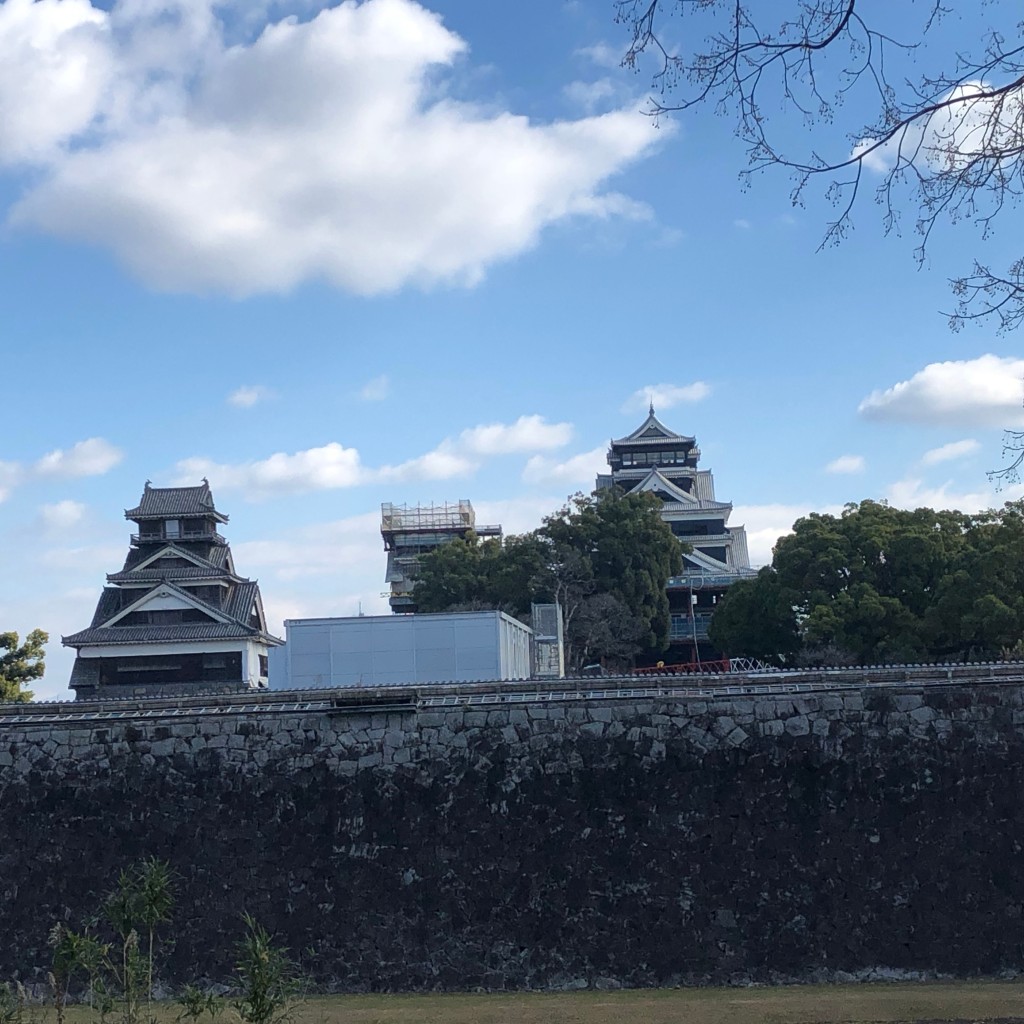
x=375, y=650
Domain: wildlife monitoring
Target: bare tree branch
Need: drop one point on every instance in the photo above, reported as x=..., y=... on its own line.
x=949, y=143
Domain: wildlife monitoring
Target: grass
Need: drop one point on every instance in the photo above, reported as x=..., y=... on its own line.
x=797, y=1004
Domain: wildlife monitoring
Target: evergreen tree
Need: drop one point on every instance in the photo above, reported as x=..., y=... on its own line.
x=20, y=664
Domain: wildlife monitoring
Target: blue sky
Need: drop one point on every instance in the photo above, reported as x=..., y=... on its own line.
x=334, y=256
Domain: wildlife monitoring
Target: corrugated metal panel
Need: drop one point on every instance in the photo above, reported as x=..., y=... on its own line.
x=385, y=649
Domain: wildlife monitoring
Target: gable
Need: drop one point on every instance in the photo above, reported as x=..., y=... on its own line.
x=168, y=604
x=663, y=488
x=169, y=551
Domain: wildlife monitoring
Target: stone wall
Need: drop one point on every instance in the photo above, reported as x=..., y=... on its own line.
x=600, y=842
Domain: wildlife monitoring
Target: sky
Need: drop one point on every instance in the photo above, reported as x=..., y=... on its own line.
x=329, y=256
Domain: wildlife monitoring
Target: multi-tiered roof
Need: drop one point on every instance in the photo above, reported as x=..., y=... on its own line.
x=658, y=460
x=177, y=614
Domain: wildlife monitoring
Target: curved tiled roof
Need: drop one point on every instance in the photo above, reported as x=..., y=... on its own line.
x=166, y=634
x=191, y=572
x=164, y=502
x=653, y=431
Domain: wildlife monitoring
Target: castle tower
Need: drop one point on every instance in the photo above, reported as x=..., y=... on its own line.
x=655, y=459
x=177, y=618
x=410, y=531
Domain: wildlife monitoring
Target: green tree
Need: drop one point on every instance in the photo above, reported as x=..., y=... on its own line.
x=879, y=584
x=20, y=664
x=630, y=549
x=604, y=629
x=466, y=574
x=607, y=545
x=757, y=619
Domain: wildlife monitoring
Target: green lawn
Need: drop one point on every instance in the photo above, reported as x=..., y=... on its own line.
x=797, y=1004
x=782, y=1005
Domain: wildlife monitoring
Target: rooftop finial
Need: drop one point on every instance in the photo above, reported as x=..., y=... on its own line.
x=652, y=405
x=205, y=481
x=148, y=482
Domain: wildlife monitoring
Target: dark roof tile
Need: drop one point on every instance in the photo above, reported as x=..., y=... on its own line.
x=158, y=634
x=161, y=502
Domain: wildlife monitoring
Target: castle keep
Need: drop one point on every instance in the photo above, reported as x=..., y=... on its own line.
x=176, y=618
x=659, y=461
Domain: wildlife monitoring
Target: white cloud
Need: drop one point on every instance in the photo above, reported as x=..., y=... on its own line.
x=55, y=66
x=11, y=474
x=846, y=464
x=665, y=396
x=85, y=558
x=62, y=514
x=334, y=466
x=377, y=389
x=953, y=136
x=987, y=391
x=326, y=468
x=517, y=515
x=527, y=434
x=442, y=463
x=950, y=452
x=92, y=457
x=742, y=223
x=323, y=149
x=601, y=54
x=578, y=470
x=589, y=96
x=248, y=395
x=915, y=493
x=336, y=548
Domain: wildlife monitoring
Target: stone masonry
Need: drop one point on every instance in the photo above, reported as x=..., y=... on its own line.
x=580, y=843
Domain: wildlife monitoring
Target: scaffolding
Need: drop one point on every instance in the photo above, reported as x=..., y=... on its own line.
x=410, y=530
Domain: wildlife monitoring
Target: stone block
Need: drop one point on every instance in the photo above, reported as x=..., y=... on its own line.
x=908, y=701
x=722, y=726
x=798, y=725
x=737, y=737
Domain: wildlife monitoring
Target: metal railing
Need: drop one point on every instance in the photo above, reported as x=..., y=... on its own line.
x=211, y=536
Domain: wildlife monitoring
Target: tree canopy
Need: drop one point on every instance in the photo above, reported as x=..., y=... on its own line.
x=605, y=558
x=924, y=100
x=21, y=663
x=879, y=584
